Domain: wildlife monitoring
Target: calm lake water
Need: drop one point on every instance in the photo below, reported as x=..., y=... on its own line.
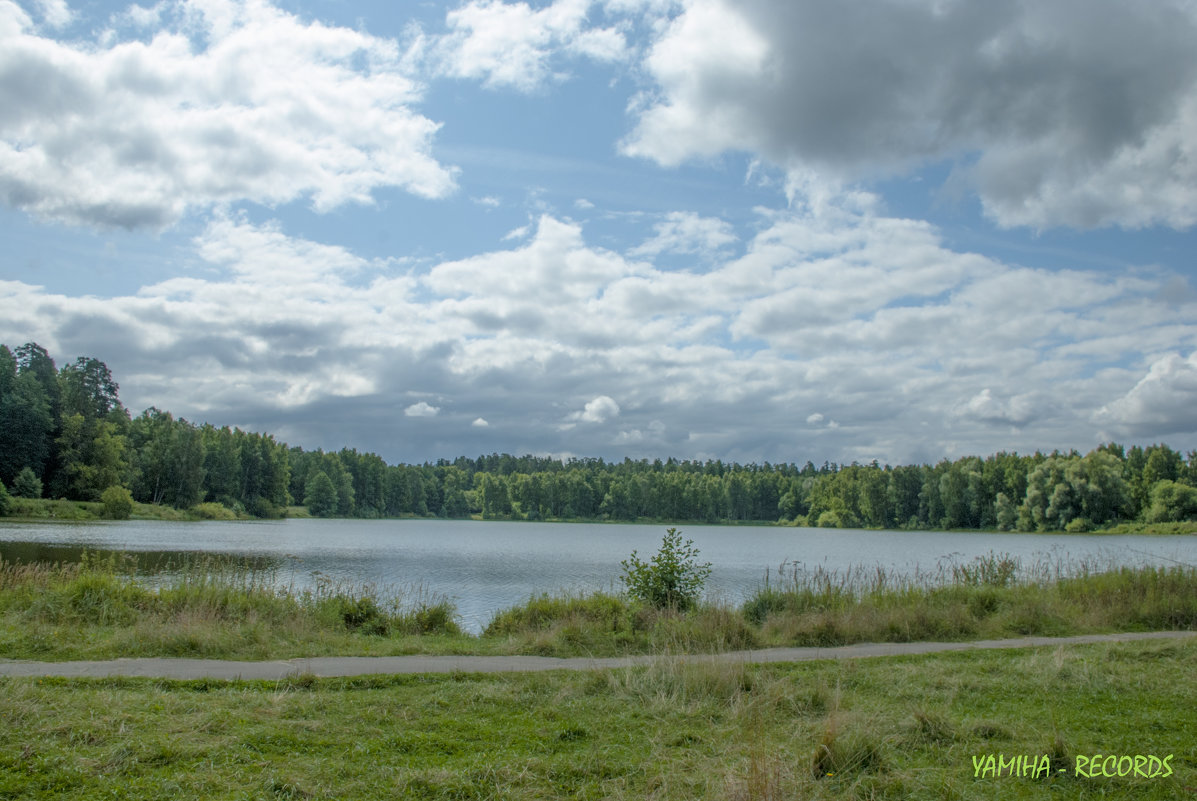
x=486, y=566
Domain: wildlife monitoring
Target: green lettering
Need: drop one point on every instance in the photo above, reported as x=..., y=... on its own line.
x=1140, y=761
x=1044, y=767
x=1105, y=766
x=1080, y=768
x=1154, y=766
x=1004, y=765
x=1166, y=765
x=1129, y=762
x=978, y=761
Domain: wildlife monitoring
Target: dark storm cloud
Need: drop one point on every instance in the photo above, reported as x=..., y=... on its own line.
x=1075, y=112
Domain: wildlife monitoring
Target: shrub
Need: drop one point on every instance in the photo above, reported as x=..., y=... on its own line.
x=117, y=503
x=213, y=511
x=672, y=579
x=5, y=500
x=540, y=612
x=431, y=618
x=26, y=484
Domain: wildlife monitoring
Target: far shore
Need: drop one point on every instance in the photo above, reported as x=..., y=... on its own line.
x=46, y=510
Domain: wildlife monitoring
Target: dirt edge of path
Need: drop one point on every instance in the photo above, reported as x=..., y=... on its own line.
x=342, y=666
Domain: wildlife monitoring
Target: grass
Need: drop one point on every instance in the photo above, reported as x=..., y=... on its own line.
x=1183, y=527
x=47, y=509
x=214, y=609
x=209, y=608
x=896, y=728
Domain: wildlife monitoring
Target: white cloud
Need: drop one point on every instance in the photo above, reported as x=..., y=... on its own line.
x=421, y=409
x=56, y=13
x=913, y=346
x=1070, y=113
x=480, y=423
x=1163, y=402
x=1014, y=411
x=265, y=108
x=141, y=16
x=517, y=233
x=599, y=410
x=512, y=45
x=687, y=232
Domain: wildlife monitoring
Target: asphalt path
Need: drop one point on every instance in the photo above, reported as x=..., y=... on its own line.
x=335, y=666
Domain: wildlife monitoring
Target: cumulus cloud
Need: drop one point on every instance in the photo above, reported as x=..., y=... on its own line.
x=1068, y=112
x=1014, y=411
x=511, y=45
x=599, y=410
x=236, y=100
x=421, y=409
x=688, y=233
x=56, y=13
x=1163, y=402
x=915, y=347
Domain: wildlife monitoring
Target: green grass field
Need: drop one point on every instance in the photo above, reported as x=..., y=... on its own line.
x=899, y=727
x=909, y=727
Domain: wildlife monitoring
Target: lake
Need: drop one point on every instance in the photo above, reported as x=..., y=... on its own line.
x=484, y=566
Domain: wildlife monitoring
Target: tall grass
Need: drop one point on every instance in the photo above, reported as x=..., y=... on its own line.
x=989, y=597
x=212, y=607
x=203, y=607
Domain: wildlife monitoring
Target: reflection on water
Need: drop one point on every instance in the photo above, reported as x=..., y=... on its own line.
x=487, y=566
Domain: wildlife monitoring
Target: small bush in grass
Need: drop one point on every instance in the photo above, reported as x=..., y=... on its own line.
x=117, y=503
x=363, y=614
x=438, y=617
x=839, y=754
x=213, y=511
x=672, y=579
x=931, y=727
x=540, y=612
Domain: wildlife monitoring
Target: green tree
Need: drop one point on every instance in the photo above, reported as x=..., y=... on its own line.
x=33, y=360
x=168, y=459
x=26, y=484
x=672, y=579
x=496, y=500
x=93, y=457
x=1064, y=489
x=87, y=388
x=321, y=498
x=1172, y=502
x=1007, y=512
x=118, y=503
x=26, y=420
x=5, y=500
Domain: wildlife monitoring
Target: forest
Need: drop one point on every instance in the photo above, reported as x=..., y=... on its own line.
x=65, y=434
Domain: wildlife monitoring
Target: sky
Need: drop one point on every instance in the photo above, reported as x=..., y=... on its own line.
x=762, y=230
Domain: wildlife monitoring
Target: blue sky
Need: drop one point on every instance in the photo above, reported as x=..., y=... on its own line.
x=766, y=230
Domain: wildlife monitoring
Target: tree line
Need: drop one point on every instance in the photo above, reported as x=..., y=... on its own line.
x=65, y=434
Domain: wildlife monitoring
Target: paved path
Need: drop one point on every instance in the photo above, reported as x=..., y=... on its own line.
x=363, y=665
